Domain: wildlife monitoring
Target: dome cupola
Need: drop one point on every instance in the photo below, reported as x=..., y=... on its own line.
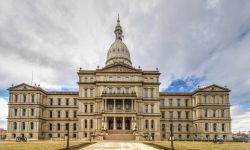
x=118, y=51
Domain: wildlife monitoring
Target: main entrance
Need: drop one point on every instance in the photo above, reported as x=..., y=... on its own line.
x=119, y=123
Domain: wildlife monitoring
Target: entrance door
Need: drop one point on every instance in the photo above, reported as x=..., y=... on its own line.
x=119, y=123
x=111, y=124
x=127, y=124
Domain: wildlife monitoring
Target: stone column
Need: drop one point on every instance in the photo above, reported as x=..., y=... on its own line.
x=114, y=122
x=123, y=123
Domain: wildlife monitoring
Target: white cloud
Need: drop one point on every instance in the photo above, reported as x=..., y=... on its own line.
x=240, y=118
x=3, y=113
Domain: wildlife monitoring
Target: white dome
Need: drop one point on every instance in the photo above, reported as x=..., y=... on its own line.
x=118, y=53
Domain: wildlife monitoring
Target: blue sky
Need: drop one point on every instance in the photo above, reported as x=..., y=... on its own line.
x=196, y=42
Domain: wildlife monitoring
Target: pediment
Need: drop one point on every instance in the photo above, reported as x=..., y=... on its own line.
x=118, y=68
x=213, y=88
x=24, y=86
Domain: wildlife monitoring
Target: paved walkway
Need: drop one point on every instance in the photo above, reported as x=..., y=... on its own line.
x=110, y=145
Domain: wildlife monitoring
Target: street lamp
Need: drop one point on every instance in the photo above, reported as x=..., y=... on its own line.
x=171, y=133
x=67, y=126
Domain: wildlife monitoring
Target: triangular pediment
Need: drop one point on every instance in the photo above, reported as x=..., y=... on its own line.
x=213, y=87
x=119, y=68
x=24, y=86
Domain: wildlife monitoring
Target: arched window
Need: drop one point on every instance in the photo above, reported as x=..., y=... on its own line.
x=152, y=124
x=179, y=127
x=146, y=124
x=223, y=127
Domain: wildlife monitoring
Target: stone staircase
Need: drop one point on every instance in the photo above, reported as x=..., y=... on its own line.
x=119, y=135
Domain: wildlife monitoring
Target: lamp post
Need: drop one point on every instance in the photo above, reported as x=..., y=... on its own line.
x=67, y=126
x=171, y=133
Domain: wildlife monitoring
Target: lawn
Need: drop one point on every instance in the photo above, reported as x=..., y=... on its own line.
x=184, y=145
x=36, y=145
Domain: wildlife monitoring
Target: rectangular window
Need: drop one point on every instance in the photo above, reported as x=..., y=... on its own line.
x=85, y=108
x=66, y=114
x=91, y=108
x=31, y=125
x=85, y=92
x=67, y=126
x=223, y=127
x=51, y=101
x=32, y=112
x=162, y=114
x=186, y=102
x=15, y=112
x=24, y=112
x=152, y=108
x=50, y=114
x=171, y=114
x=75, y=113
x=74, y=126
x=23, y=125
x=214, y=113
x=58, y=126
x=86, y=123
x=145, y=92
x=24, y=98
x=170, y=102
x=126, y=90
x=59, y=114
x=75, y=101
x=178, y=102
x=222, y=113
x=146, y=108
x=16, y=98
x=152, y=93
x=205, y=113
x=187, y=114
x=179, y=115
x=50, y=126
x=91, y=123
x=67, y=101
x=33, y=98
x=91, y=93
x=59, y=101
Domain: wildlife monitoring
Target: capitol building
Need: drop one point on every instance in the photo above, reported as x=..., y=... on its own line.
x=119, y=102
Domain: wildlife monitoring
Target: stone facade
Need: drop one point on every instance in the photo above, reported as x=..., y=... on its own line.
x=119, y=98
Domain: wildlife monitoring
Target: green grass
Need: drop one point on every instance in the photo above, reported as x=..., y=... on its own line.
x=184, y=145
x=36, y=145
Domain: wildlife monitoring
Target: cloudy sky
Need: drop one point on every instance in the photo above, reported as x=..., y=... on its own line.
x=195, y=42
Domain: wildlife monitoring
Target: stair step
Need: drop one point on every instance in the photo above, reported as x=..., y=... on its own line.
x=119, y=137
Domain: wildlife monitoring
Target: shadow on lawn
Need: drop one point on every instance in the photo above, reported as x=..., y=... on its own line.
x=157, y=146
